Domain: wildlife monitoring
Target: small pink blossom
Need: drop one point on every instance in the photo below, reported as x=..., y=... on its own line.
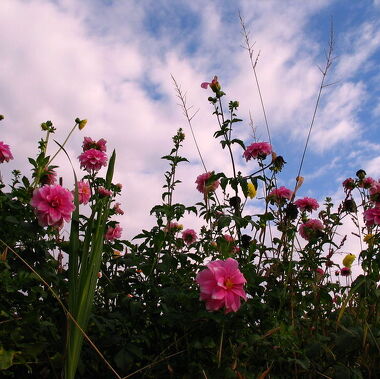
x=229, y=238
x=173, y=227
x=348, y=184
x=189, y=236
x=366, y=183
x=279, y=195
x=221, y=285
x=310, y=229
x=5, y=153
x=92, y=160
x=89, y=143
x=372, y=216
x=203, y=185
x=257, y=150
x=103, y=192
x=307, y=204
x=113, y=233
x=214, y=84
x=53, y=205
x=117, y=209
x=84, y=192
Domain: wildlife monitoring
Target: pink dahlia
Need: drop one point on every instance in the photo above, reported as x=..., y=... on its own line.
x=189, y=236
x=372, y=216
x=5, y=153
x=113, y=233
x=366, y=183
x=89, y=143
x=53, y=205
x=117, y=209
x=307, y=204
x=348, y=184
x=203, y=184
x=103, y=192
x=221, y=285
x=374, y=192
x=257, y=150
x=279, y=195
x=310, y=229
x=84, y=192
x=92, y=160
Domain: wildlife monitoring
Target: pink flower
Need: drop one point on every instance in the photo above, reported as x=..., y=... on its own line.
x=257, y=150
x=53, y=205
x=49, y=176
x=307, y=204
x=173, y=227
x=89, y=143
x=117, y=209
x=366, y=183
x=348, y=184
x=310, y=229
x=92, y=160
x=221, y=285
x=372, y=216
x=319, y=272
x=5, y=153
x=279, y=195
x=214, y=85
x=203, y=184
x=374, y=192
x=84, y=192
x=189, y=236
x=113, y=233
x=229, y=238
x=104, y=192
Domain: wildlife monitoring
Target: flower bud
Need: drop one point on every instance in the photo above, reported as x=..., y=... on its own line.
x=361, y=174
x=245, y=240
x=349, y=205
x=1, y=117
x=82, y=124
x=235, y=202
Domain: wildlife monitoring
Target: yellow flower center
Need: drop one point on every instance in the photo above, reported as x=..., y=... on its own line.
x=229, y=284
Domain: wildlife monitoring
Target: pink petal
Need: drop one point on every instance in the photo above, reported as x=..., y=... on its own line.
x=205, y=85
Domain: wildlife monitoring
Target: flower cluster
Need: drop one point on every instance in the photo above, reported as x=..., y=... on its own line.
x=93, y=156
x=221, y=285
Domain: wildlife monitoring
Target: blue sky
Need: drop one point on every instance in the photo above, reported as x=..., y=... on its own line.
x=111, y=61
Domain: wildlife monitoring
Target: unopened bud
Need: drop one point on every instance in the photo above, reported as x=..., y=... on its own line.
x=82, y=124
x=1, y=117
x=361, y=174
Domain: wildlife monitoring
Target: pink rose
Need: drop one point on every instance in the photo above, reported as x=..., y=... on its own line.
x=257, y=150
x=203, y=185
x=372, y=216
x=221, y=285
x=5, y=153
x=279, y=195
x=307, y=204
x=310, y=229
x=53, y=205
x=113, y=233
x=92, y=160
